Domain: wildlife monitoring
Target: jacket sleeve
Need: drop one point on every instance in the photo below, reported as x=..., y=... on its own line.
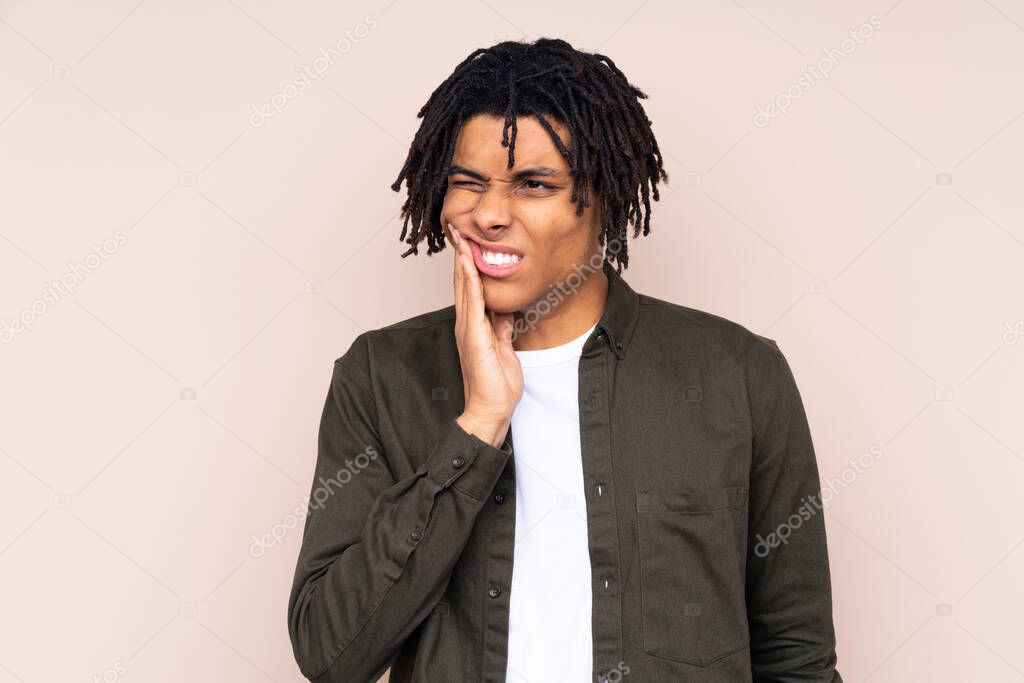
x=788, y=586
x=377, y=552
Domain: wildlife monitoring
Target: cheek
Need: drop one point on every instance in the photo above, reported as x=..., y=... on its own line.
x=457, y=203
x=563, y=231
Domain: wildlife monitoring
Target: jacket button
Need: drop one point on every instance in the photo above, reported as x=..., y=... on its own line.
x=499, y=498
x=458, y=461
x=416, y=534
x=494, y=591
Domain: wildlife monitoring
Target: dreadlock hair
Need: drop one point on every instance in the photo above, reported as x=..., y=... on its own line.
x=612, y=144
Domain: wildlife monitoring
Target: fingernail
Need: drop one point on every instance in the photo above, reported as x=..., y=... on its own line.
x=455, y=233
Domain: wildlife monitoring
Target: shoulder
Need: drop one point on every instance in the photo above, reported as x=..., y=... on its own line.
x=725, y=349
x=711, y=333
x=401, y=339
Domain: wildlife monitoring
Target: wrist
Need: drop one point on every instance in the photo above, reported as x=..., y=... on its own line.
x=488, y=430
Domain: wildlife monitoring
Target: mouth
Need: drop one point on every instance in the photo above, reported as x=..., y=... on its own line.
x=495, y=263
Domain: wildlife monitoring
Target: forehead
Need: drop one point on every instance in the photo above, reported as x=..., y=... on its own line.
x=479, y=147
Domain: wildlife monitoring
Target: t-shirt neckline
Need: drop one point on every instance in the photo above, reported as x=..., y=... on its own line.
x=555, y=354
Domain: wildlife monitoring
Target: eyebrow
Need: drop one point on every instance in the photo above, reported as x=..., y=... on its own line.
x=521, y=174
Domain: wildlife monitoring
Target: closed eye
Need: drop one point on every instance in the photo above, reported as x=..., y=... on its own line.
x=465, y=184
x=529, y=184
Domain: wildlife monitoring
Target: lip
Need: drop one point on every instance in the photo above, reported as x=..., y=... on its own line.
x=494, y=271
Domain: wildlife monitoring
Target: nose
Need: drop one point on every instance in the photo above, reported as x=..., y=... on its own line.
x=493, y=212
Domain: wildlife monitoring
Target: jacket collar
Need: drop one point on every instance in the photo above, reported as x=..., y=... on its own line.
x=621, y=311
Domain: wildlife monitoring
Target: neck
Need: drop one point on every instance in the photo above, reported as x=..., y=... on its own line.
x=570, y=315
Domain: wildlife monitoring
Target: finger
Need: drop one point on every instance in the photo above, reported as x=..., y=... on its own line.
x=458, y=277
x=473, y=289
x=467, y=270
x=455, y=257
x=472, y=308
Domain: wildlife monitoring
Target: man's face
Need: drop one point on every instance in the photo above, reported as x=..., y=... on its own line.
x=524, y=210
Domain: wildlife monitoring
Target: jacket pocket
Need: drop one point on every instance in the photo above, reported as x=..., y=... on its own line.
x=692, y=565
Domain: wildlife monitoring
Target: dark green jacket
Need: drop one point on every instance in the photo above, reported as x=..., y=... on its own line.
x=707, y=537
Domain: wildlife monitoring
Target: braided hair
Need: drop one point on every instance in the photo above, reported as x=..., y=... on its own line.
x=612, y=144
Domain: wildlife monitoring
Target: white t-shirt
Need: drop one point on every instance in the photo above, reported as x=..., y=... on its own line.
x=550, y=601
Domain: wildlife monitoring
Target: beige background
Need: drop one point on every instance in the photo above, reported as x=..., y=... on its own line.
x=157, y=419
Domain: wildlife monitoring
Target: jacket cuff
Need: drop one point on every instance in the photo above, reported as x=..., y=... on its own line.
x=465, y=462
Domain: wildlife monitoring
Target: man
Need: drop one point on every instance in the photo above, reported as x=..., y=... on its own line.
x=557, y=478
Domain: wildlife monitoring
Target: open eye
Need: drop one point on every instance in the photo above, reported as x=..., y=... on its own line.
x=537, y=185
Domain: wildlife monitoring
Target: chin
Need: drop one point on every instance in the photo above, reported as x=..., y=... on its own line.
x=502, y=305
x=503, y=298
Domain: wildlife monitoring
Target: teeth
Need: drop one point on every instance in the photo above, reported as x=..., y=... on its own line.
x=498, y=258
